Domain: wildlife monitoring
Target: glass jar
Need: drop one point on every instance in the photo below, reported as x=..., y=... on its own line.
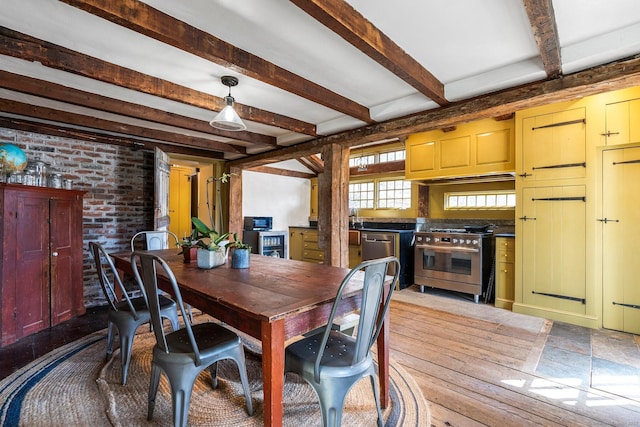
x=39, y=171
x=15, y=177
x=67, y=184
x=55, y=180
x=29, y=178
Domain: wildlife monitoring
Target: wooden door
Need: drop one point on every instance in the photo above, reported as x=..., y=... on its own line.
x=161, y=196
x=180, y=200
x=64, y=244
x=554, y=248
x=621, y=240
x=31, y=236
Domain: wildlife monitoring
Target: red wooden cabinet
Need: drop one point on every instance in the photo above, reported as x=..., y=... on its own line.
x=41, y=251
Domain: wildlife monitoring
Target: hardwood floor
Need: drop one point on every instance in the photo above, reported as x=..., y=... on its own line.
x=475, y=364
x=477, y=371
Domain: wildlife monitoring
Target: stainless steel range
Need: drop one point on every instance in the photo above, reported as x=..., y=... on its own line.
x=453, y=259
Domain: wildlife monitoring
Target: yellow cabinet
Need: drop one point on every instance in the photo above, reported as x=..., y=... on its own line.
x=355, y=255
x=310, y=250
x=313, y=211
x=295, y=243
x=554, y=248
x=505, y=273
x=623, y=122
x=480, y=148
x=554, y=146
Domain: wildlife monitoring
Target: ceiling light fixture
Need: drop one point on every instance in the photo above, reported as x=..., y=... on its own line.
x=228, y=119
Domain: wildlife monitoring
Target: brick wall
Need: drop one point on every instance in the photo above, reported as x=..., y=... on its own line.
x=119, y=190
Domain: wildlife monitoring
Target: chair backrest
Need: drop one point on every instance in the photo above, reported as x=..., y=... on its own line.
x=147, y=268
x=109, y=278
x=373, y=307
x=155, y=239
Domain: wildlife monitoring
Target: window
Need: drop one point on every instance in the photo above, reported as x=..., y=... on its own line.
x=361, y=195
x=391, y=156
x=394, y=194
x=365, y=159
x=480, y=200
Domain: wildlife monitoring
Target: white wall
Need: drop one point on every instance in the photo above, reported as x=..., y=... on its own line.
x=284, y=198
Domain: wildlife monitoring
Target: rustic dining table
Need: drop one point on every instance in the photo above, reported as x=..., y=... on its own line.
x=274, y=300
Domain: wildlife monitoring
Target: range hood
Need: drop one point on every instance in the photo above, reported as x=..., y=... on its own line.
x=470, y=179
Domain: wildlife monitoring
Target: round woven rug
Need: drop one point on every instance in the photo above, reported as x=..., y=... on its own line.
x=72, y=386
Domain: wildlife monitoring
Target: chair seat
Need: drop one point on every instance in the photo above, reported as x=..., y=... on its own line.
x=140, y=305
x=212, y=340
x=337, y=359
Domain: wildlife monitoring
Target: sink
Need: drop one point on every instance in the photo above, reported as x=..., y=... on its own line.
x=354, y=237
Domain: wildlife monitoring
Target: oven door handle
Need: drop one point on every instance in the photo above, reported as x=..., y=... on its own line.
x=448, y=249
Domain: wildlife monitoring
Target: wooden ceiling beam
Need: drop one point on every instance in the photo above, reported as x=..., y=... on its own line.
x=19, y=45
x=545, y=32
x=146, y=20
x=282, y=172
x=86, y=135
x=313, y=162
x=94, y=123
x=341, y=18
x=604, y=78
x=57, y=92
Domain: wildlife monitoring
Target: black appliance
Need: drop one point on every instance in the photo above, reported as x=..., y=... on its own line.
x=377, y=243
x=258, y=223
x=268, y=243
x=453, y=259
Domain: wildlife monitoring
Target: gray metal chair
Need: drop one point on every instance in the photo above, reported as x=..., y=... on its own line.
x=126, y=312
x=155, y=239
x=182, y=355
x=331, y=361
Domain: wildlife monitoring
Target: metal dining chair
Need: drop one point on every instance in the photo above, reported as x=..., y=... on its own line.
x=155, y=239
x=126, y=312
x=331, y=361
x=183, y=354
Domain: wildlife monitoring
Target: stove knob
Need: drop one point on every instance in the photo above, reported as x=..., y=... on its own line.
x=427, y=239
x=436, y=239
x=475, y=242
x=455, y=240
x=468, y=241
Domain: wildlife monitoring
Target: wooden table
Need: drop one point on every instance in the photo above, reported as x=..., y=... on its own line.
x=273, y=300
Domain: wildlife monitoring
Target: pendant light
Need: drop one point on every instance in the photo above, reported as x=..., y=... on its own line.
x=228, y=119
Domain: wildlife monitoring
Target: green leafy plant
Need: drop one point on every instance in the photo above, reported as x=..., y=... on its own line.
x=189, y=242
x=239, y=244
x=215, y=239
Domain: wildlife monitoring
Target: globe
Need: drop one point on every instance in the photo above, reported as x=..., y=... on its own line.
x=12, y=158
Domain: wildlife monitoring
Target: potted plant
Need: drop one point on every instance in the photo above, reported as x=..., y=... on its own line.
x=240, y=253
x=212, y=246
x=189, y=246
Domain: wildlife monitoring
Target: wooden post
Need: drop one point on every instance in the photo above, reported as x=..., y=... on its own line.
x=333, y=206
x=235, y=202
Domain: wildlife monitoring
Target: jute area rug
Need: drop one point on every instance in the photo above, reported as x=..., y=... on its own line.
x=73, y=386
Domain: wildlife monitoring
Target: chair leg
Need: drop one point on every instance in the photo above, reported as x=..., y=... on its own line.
x=242, y=368
x=109, y=340
x=181, y=388
x=213, y=371
x=377, y=399
x=332, y=400
x=173, y=318
x=126, y=343
x=153, y=390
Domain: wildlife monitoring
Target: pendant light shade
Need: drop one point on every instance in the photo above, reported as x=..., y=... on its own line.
x=228, y=119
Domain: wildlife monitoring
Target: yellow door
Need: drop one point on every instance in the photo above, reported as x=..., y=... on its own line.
x=621, y=240
x=554, y=248
x=180, y=200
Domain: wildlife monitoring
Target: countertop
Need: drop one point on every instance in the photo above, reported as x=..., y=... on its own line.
x=506, y=235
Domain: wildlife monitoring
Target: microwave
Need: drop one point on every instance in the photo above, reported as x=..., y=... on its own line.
x=258, y=223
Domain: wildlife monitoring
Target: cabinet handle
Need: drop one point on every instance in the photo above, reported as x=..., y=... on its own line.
x=54, y=253
x=505, y=271
x=609, y=133
x=524, y=175
x=606, y=220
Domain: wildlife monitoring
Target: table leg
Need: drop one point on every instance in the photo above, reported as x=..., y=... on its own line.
x=383, y=362
x=273, y=371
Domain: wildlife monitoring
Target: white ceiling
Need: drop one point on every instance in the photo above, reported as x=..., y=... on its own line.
x=472, y=47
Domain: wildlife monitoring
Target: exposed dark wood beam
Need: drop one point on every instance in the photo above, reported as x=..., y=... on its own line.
x=313, y=162
x=604, y=78
x=545, y=31
x=348, y=23
x=73, y=96
x=282, y=172
x=94, y=123
x=376, y=168
x=18, y=45
x=86, y=135
x=146, y=20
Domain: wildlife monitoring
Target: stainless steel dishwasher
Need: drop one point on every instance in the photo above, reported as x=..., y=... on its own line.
x=379, y=245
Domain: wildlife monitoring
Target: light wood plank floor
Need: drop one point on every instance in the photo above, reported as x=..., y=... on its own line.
x=475, y=368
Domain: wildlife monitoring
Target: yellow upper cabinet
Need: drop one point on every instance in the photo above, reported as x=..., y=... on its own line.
x=554, y=146
x=480, y=148
x=623, y=122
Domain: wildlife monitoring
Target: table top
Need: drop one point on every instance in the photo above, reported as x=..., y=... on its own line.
x=270, y=289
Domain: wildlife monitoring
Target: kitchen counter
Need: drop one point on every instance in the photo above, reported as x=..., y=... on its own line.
x=512, y=235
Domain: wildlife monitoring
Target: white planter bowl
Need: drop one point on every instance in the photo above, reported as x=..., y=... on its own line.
x=211, y=259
